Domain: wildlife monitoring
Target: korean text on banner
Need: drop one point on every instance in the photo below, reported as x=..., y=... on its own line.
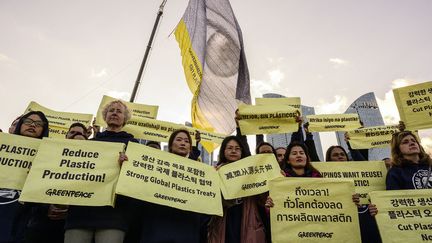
x=16, y=157
x=267, y=119
x=313, y=209
x=372, y=137
x=137, y=110
x=73, y=172
x=333, y=122
x=59, y=122
x=404, y=215
x=248, y=176
x=168, y=179
x=367, y=175
x=414, y=103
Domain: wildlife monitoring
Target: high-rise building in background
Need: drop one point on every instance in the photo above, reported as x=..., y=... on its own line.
x=367, y=108
x=283, y=139
x=205, y=156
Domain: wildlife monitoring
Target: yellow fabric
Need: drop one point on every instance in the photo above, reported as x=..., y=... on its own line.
x=291, y=101
x=248, y=176
x=16, y=156
x=414, y=103
x=267, y=119
x=333, y=122
x=372, y=137
x=313, y=210
x=404, y=215
x=73, y=172
x=59, y=122
x=367, y=175
x=167, y=179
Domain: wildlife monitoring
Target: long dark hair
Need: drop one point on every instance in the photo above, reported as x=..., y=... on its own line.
x=45, y=131
x=268, y=144
x=287, y=167
x=222, y=158
x=330, y=150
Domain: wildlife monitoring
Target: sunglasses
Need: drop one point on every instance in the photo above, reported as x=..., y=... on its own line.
x=29, y=121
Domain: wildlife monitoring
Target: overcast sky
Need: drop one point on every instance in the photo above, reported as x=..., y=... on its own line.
x=66, y=55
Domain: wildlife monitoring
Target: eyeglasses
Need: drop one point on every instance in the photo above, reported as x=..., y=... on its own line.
x=29, y=121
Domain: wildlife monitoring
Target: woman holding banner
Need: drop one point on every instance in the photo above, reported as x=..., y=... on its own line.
x=40, y=228
x=166, y=224
x=104, y=224
x=242, y=221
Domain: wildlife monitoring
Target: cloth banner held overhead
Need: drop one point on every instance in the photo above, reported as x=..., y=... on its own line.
x=59, y=122
x=73, y=172
x=414, y=103
x=372, y=137
x=333, y=122
x=137, y=110
x=404, y=215
x=313, y=210
x=214, y=63
x=291, y=101
x=16, y=157
x=267, y=119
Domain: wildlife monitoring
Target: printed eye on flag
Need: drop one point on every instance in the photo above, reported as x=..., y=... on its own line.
x=214, y=62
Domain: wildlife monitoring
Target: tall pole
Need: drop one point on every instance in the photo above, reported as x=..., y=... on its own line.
x=149, y=46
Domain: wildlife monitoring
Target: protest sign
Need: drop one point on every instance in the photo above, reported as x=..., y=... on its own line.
x=59, y=122
x=248, y=176
x=168, y=179
x=367, y=175
x=291, y=101
x=73, y=172
x=312, y=210
x=404, y=215
x=414, y=103
x=16, y=157
x=333, y=122
x=372, y=137
x=267, y=119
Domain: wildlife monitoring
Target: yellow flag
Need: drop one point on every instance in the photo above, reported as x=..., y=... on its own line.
x=414, y=103
x=267, y=119
x=59, y=122
x=333, y=122
x=367, y=175
x=16, y=156
x=404, y=215
x=73, y=172
x=313, y=210
x=167, y=179
x=137, y=110
x=214, y=63
x=372, y=137
x=248, y=176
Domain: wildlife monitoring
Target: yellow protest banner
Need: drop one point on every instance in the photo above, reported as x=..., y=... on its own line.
x=168, y=179
x=313, y=210
x=404, y=215
x=137, y=110
x=267, y=119
x=291, y=101
x=333, y=122
x=73, y=172
x=16, y=156
x=59, y=122
x=155, y=130
x=248, y=176
x=367, y=175
x=372, y=137
x=414, y=103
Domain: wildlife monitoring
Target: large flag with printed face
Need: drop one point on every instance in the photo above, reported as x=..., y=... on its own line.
x=214, y=62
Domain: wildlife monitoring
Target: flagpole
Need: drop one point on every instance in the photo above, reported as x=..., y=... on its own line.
x=149, y=46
